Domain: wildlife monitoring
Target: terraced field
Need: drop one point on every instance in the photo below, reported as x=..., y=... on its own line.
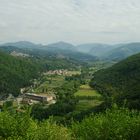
x=86, y=90
x=88, y=98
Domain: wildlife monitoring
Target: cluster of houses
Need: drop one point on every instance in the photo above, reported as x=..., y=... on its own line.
x=18, y=54
x=57, y=72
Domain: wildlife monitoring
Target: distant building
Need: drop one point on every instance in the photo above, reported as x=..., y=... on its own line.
x=35, y=98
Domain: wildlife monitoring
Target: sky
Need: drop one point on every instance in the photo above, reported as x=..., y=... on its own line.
x=74, y=21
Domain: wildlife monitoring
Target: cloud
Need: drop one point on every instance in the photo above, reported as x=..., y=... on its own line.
x=76, y=21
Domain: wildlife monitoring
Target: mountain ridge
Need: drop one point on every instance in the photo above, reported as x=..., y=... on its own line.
x=115, y=52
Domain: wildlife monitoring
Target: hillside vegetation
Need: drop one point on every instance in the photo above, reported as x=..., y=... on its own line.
x=15, y=73
x=121, y=81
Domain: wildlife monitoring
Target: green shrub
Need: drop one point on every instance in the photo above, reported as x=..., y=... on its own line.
x=50, y=131
x=21, y=127
x=115, y=124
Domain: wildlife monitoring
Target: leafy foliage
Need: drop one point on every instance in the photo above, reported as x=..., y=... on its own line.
x=114, y=124
x=21, y=127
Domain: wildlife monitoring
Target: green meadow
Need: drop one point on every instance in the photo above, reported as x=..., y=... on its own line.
x=86, y=90
x=86, y=98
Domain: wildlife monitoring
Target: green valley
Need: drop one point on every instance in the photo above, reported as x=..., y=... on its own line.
x=67, y=98
x=69, y=69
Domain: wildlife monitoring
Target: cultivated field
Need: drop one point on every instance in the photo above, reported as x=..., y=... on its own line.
x=88, y=98
x=86, y=90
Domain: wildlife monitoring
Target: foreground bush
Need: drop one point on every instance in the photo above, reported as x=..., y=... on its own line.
x=115, y=124
x=22, y=127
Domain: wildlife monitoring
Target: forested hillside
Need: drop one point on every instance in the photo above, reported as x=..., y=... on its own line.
x=121, y=81
x=15, y=73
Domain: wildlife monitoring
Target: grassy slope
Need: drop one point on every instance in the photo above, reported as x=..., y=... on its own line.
x=85, y=90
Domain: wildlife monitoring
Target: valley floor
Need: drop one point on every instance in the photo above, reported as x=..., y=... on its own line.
x=88, y=98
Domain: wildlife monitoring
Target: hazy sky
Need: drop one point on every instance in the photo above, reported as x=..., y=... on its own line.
x=75, y=21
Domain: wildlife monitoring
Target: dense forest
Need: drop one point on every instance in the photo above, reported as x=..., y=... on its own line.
x=16, y=73
x=121, y=82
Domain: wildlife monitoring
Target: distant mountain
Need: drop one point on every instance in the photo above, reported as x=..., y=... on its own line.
x=50, y=47
x=95, y=49
x=121, y=81
x=61, y=46
x=23, y=45
x=67, y=50
x=122, y=51
x=57, y=50
x=82, y=52
x=115, y=52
